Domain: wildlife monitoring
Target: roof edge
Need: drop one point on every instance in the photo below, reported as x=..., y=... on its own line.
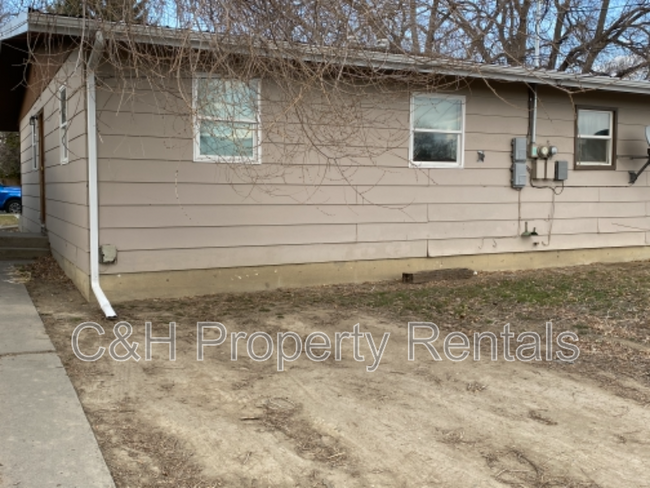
x=38, y=22
x=15, y=27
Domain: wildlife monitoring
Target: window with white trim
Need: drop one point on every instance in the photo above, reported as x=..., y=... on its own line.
x=63, y=124
x=227, y=120
x=437, y=131
x=34, y=126
x=595, y=137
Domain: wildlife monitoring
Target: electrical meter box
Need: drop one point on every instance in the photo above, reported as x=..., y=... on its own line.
x=561, y=170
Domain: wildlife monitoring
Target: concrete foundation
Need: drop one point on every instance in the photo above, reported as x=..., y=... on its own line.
x=78, y=277
x=171, y=284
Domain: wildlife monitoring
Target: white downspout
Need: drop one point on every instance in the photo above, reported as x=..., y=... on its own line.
x=533, y=135
x=93, y=194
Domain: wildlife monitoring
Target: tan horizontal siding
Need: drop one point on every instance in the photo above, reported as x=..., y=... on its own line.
x=560, y=242
x=539, y=210
x=275, y=175
x=623, y=224
x=579, y=210
x=176, y=216
x=75, y=193
x=76, y=171
x=436, y=230
x=192, y=194
x=134, y=148
x=73, y=214
x=632, y=147
x=74, y=234
x=205, y=258
x=381, y=195
x=66, y=184
x=143, y=125
x=491, y=144
x=70, y=251
x=31, y=208
x=173, y=216
x=129, y=96
x=29, y=221
x=204, y=237
x=355, y=198
x=628, y=194
x=30, y=199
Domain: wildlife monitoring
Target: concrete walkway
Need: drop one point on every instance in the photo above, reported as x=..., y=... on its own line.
x=45, y=438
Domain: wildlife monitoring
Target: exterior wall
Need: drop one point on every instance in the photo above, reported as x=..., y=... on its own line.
x=66, y=220
x=166, y=213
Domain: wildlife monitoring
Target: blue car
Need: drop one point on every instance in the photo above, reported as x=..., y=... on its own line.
x=11, y=199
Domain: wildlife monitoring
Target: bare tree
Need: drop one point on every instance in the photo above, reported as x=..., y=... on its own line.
x=9, y=155
x=134, y=11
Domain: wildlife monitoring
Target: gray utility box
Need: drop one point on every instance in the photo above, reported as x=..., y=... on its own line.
x=519, y=156
x=519, y=151
x=561, y=170
x=107, y=254
x=519, y=175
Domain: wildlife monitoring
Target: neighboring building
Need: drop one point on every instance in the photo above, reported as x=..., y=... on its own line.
x=422, y=181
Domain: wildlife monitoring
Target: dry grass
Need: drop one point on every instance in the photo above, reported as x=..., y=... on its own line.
x=8, y=220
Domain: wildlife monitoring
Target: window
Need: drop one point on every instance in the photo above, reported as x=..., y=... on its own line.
x=226, y=121
x=595, y=138
x=63, y=123
x=33, y=122
x=437, y=131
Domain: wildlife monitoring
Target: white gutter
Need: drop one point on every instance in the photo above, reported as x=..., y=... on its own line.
x=93, y=193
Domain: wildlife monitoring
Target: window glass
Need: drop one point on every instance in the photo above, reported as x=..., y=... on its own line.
x=64, y=108
x=591, y=123
x=227, y=118
x=593, y=150
x=432, y=146
x=63, y=124
x=226, y=100
x=228, y=140
x=437, y=114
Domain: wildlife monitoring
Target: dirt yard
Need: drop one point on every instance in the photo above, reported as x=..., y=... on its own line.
x=421, y=423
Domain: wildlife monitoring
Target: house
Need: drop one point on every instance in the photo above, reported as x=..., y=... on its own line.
x=158, y=181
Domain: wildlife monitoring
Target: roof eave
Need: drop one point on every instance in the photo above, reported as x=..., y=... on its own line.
x=37, y=22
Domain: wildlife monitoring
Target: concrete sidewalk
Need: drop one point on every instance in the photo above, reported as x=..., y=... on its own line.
x=45, y=438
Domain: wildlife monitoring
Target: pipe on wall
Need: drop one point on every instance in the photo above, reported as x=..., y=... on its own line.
x=533, y=115
x=93, y=193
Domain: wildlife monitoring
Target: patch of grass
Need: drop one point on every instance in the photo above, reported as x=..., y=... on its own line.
x=8, y=219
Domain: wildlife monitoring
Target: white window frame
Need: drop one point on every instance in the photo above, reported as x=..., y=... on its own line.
x=64, y=148
x=197, y=118
x=35, y=155
x=461, y=146
x=610, y=138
